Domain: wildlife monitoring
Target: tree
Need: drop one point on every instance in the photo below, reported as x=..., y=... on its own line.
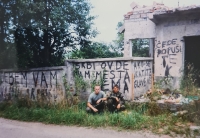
x=140, y=48
x=102, y=50
x=119, y=42
x=44, y=28
x=7, y=47
x=96, y=50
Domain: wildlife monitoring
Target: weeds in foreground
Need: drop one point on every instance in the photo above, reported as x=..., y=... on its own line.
x=76, y=115
x=193, y=114
x=188, y=84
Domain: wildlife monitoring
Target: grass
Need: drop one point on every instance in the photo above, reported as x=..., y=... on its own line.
x=76, y=115
x=146, y=116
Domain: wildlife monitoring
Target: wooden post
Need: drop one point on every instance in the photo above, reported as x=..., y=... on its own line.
x=132, y=97
x=152, y=82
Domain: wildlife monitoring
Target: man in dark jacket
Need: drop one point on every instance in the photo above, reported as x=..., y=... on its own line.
x=115, y=101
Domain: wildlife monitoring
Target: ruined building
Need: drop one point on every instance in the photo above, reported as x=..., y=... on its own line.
x=173, y=34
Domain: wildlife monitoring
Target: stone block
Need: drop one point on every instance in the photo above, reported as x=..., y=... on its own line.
x=143, y=15
x=135, y=16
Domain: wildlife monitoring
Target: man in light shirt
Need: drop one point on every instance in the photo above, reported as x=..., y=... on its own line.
x=96, y=100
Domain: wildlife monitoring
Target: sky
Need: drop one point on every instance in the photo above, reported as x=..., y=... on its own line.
x=110, y=12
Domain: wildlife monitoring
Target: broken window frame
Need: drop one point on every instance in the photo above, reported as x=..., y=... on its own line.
x=150, y=47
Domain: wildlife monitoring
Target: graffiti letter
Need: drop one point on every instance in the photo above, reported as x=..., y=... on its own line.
x=111, y=72
x=118, y=65
x=87, y=73
x=32, y=94
x=125, y=87
x=89, y=65
x=11, y=82
x=110, y=64
x=35, y=79
x=113, y=83
x=98, y=73
x=126, y=77
x=43, y=78
x=53, y=76
x=124, y=65
x=103, y=65
x=174, y=41
x=24, y=76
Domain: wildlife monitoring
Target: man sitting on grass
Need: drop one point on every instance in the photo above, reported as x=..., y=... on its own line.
x=96, y=100
x=115, y=101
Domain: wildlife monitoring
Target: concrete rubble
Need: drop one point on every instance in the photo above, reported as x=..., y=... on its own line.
x=157, y=8
x=165, y=98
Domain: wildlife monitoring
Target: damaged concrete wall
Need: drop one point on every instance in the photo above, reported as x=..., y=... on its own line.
x=34, y=83
x=138, y=24
x=137, y=28
x=168, y=27
x=169, y=44
x=133, y=75
x=142, y=71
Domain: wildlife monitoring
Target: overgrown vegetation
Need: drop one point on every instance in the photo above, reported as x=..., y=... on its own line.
x=80, y=83
x=96, y=50
x=189, y=87
x=40, y=41
x=189, y=84
x=76, y=115
x=97, y=81
x=140, y=47
x=137, y=116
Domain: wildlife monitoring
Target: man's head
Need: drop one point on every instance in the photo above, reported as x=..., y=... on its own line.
x=97, y=89
x=116, y=89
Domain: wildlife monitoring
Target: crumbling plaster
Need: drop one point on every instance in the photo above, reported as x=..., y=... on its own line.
x=167, y=27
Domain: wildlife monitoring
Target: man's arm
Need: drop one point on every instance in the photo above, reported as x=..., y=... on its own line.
x=122, y=100
x=103, y=99
x=90, y=106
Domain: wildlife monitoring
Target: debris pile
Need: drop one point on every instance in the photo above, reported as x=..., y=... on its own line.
x=156, y=9
x=165, y=98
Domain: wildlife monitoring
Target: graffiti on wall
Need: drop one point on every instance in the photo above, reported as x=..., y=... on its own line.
x=168, y=51
x=113, y=72
x=41, y=78
x=142, y=73
x=34, y=84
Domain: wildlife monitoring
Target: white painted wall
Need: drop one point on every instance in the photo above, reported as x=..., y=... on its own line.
x=137, y=28
x=133, y=75
x=168, y=30
x=142, y=71
x=33, y=83
x=169, y=44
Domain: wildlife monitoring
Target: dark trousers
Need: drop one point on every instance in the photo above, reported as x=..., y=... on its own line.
x=99, y=107
x=112, y=105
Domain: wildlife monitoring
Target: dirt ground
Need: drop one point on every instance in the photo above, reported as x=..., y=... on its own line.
x=18, y=129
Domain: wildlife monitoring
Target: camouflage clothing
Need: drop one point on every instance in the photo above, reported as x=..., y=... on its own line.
x=112, y=102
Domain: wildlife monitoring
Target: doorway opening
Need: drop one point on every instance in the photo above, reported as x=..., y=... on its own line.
x=192, y=54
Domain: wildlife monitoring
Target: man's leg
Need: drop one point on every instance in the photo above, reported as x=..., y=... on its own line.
x=122, y=107
x=88, y=110
x=110, y=105
x=100, y=106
